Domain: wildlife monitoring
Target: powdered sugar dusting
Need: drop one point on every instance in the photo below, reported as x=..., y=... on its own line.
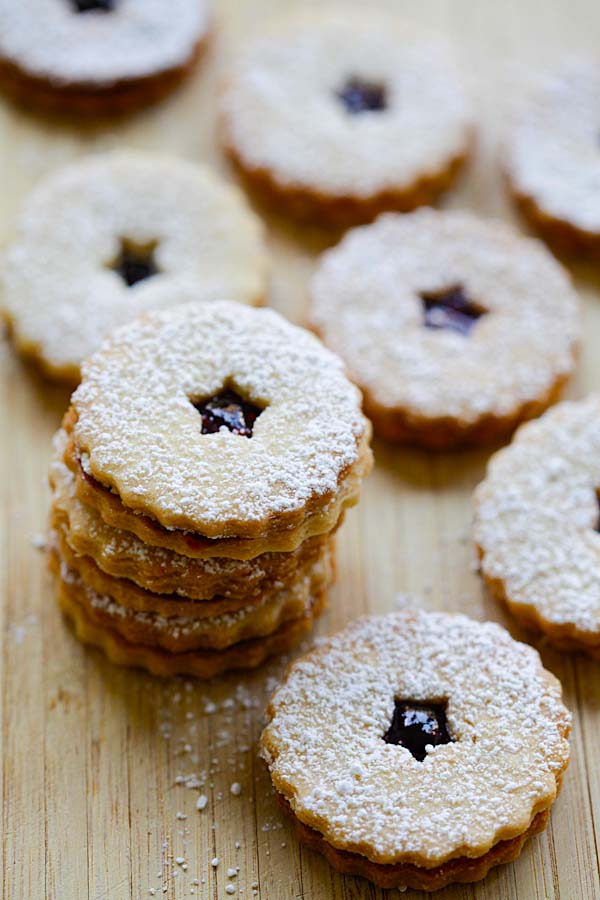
x=373, y=315
x=553, y=150
x=208, y=246
x=280, y=111
x=536, y=518
x=325, y=749
x=49, y=39
x=143, y=436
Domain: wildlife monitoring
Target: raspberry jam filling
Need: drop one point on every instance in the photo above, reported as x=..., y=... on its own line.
x=451, y=309
x=135, y=262
x=417, y=725
x=83, y=6
x=360, y=96
x=227, y=410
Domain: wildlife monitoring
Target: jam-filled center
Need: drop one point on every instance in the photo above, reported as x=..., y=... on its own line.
x=417, y=726
x=227, y=410
x=83, y=6
x=452, y=309
x=360, y=96
x=135, y=262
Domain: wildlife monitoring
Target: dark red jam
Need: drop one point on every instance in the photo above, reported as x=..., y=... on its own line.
x=451, y=309
x=227, y=410
x=418, y=725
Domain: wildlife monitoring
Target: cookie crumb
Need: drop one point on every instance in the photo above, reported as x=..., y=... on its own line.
x=39, y=541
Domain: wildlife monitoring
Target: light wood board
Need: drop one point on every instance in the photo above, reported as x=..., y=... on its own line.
x=91, y=753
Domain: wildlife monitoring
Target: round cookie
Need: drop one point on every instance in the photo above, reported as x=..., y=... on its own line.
x=250, y=435
x=112, y=236
x=98, y=57
x=455, y=329
x=537, y=522
x=418, y=749
x=552, y=158
x=310, y=111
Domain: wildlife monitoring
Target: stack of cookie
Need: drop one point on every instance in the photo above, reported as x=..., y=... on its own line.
x=203, y=466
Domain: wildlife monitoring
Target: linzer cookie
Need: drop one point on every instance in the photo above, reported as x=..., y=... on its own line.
x=418, y=749
x=291, y=437
x=456, y=329
x=98, y=57
x=552, y=158
x=207, y=458
x=311, y=108
x=112, y=236
x=536, y=525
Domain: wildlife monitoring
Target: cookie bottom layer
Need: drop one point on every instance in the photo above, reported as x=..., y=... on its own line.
x=563, y=236
x=121, y=98
x=200, y=663
x=448, y=433
x=312, y=206
x=405, y=875
x=563, y=636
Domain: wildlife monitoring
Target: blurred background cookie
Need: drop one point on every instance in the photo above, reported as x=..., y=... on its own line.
x=334, y=117
x=537, y=519
x=455, y=328
x=109, y=237
x=97, y=57
x=552, y=160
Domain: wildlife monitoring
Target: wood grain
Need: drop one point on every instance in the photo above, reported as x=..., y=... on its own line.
x=91, y=754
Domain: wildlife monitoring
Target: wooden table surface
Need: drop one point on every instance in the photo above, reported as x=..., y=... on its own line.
x=102, y=766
